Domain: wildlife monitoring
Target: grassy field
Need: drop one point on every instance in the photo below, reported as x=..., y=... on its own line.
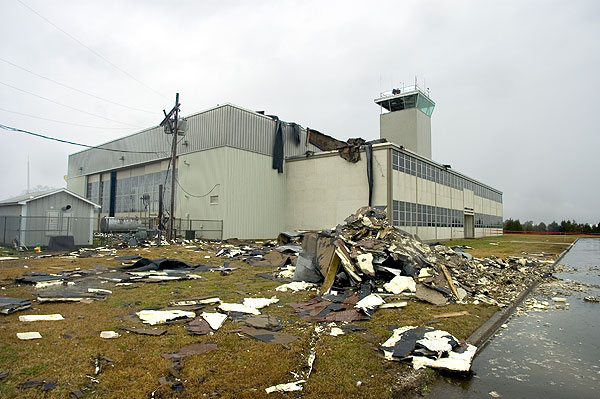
x=516, y=245
x=241, y=367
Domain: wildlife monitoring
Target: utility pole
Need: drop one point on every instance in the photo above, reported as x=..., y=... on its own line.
x=172, y=128
x=173, y=160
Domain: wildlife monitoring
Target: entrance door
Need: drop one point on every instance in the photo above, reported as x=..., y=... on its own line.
x=469, y=227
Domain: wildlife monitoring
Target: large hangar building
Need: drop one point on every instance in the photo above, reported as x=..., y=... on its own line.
x=255, y=176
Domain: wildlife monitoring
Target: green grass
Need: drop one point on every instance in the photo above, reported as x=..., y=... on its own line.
x=516, y=245
x=241, y=367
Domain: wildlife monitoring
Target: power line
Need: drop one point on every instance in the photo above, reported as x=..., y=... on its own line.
x=91, y=50
x=14, y=129
x=74, y=88
x=63, y=122
x=67, y=106
x=196, y=196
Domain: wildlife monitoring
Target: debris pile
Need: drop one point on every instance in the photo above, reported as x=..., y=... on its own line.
x=367, y=254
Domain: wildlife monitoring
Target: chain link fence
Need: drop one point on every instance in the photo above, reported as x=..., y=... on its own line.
x=37, y=230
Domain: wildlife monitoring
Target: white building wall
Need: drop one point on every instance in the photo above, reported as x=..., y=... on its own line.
x=325, y=189
x=247, y=194
x=77, y=185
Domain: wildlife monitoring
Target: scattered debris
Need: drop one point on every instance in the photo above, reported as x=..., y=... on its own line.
x=109, y=334
x=270, y=337
x=29, y=335
x=295, y=286
x=289, y=387
x=215, y=320
x=47, y=384
x=194, y=302
x=250, y=305
x=154, y=317
x=335, y=331
x=11, y=305
x=452, y=314
x=100, y=362
x=191, y=350
x=238, y=307
x=144, y=331
x=393, y=305
x=259, y=303
x=265, y=322
x=41, y=317
x=198, y=326
x=338, y=307
x=591, y=299
x=426, y=346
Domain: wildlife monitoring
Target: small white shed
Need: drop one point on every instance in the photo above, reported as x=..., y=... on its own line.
x=35, y=217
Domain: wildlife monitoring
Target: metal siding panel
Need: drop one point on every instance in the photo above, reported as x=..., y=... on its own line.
x=223, y=126
x=10, y=210
x=255, y=196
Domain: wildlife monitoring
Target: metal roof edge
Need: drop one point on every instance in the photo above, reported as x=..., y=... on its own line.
x=46, y=194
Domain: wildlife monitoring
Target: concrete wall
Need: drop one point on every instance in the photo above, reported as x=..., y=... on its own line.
x=410, y=128
x=324, y=189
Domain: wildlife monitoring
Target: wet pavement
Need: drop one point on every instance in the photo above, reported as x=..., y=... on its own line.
x=549, y=348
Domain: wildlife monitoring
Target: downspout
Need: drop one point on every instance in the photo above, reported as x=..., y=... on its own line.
x=369, y=154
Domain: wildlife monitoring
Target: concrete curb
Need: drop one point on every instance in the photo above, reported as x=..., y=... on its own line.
x=481, y=336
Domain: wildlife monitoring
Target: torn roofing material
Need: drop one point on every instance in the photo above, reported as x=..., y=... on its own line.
x=154, y=317
x=191, y=350
x=270, y=337
x=428, y=347
x=11, y=305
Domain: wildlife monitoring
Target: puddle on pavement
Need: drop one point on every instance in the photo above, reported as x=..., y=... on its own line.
x=552, y=352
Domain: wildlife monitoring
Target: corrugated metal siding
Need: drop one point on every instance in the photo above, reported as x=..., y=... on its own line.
x=10, y=210
x=226, y=125
x=254, y=197
x=37, y=211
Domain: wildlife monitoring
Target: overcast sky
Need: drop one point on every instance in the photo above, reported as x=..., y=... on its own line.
x=516, y=83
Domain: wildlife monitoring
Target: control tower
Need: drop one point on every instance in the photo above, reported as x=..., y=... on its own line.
x=408, y=120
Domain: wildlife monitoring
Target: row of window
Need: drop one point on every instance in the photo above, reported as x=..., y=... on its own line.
x=488, y=221
x=132, y=194
x=411, y=214
x=408, y=164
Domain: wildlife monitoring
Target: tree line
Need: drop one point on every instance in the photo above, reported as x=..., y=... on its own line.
x=566, y=226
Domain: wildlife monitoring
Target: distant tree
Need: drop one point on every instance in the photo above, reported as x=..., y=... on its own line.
x=528, y=226
x=586, y=229
x=553, y=227
x=512, y=225
x=596, y=228
x=541, y=227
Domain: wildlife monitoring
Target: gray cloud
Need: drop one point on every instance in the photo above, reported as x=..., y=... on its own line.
x=515, y=82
